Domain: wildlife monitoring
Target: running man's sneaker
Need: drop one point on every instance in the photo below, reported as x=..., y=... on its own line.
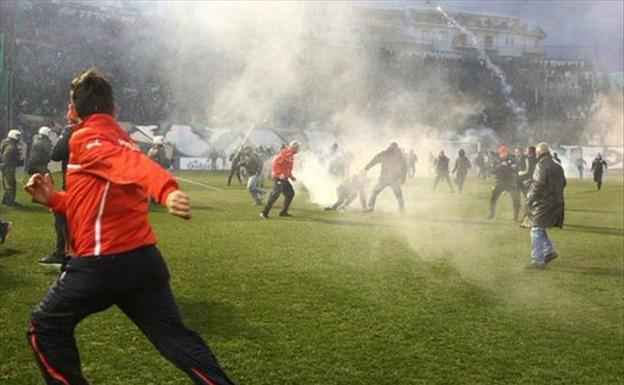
x=5, y=229
x=285, y=215
x=53, y=260
x=264, y=216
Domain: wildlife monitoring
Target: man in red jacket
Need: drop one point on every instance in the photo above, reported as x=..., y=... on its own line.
x=282, y=171
x=115, y=259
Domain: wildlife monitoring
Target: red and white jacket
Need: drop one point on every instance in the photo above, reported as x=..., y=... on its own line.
x=283, y=163
x=109, y=181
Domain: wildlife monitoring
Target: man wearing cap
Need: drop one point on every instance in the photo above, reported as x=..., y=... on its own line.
x=282, y=171
x=504, y=170
x=10, y=160
x=546, y=206
x=40, y=152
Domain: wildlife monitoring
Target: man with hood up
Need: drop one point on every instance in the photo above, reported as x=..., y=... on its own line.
x=393, y=174
x=462, y=165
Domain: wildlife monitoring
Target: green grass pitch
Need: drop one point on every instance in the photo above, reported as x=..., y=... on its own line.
x=438, y=296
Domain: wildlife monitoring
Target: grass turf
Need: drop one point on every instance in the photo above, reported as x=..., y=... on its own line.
x=438, y=296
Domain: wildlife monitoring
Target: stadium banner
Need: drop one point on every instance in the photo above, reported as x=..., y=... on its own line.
x=191, y=163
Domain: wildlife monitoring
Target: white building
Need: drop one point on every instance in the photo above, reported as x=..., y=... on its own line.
x=426, y=29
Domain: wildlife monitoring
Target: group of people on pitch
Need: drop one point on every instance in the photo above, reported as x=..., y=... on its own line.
x=115, y=261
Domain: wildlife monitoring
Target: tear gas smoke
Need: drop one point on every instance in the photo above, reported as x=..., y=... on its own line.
x=304, y=67
x=518, y=110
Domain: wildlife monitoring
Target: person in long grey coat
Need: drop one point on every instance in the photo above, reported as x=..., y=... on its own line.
x=546, y=206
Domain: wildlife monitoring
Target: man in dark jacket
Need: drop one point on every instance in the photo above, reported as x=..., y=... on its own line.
x=40, y=155
x=546, y=206
x=60, y=153
x=393, y=174
x=598, y=167
x=236, y=158
x=10, y=160
x=40, y=152
x=442, y=170
x=460, y=169
x=252, y=164
x=504, y=170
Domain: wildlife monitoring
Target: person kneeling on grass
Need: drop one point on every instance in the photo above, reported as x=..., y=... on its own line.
x=546, y=206
x=115, y=260
x=348, y=191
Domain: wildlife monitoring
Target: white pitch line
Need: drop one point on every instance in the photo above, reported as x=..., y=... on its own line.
x=198, y=184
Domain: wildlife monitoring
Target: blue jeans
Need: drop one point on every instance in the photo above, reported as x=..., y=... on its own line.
x=540, y=245
x=253, y=186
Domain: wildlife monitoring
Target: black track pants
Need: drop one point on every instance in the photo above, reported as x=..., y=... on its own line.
x=138, y=283
x=280, y=186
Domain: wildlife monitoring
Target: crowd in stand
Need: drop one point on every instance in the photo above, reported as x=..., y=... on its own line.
x=45, y=56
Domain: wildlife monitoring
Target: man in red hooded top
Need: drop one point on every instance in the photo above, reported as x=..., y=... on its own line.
x=115, y=260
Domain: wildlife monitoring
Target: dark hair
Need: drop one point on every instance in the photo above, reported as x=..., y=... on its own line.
x=91, y=93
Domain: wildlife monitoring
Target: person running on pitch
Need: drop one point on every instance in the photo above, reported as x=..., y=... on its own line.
x=598, y=167
x=442, y=171
x=115, y=261
x=282, y=172
x=462, y=165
